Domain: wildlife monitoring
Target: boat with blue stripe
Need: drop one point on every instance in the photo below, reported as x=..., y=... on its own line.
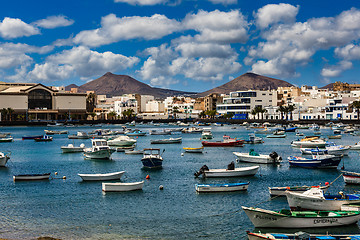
x=226, y=187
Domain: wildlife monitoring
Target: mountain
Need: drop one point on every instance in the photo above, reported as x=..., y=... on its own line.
x=329, y=86
x=69, y=87
x=114, y=85
x=248, y=81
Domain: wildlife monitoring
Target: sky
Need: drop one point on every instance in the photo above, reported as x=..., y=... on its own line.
x=188, y=45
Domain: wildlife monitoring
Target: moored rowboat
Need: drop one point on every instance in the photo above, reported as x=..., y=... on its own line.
x=101, y=176
x=32, y=177
x=237, y=172
x=351, y=177
x=122, y=187
x=226, y=187
x=194, y=150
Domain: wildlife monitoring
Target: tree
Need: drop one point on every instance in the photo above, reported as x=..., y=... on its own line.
x=175, y=111
x=211, y=113
x=202, y=114
x=129, y=113
x=10, y=113
x=228, y=115
x=111, y=115
x=4, y=113
x=290, y=109
x=253, y=112
x=90, y=102
x=282, y=110
x=356, y=105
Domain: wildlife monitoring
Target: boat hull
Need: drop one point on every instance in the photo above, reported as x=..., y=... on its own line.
x=101, y=177
x=3, y=160
x=32, y=177
x=229, y=187
x=314, y=163
x=99, y=154
x=270, y=219
x=281, y=191
x=166, y=141
x=222, y=144
x=194, y=150
x=351, y=177
x=71, y=149
x=152, y=162
x=237, y=172
x=263, y=159
x=122, y=187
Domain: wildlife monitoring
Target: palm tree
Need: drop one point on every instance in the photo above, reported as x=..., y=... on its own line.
x=175, y=111
x=111, y=115
x=228, y=115
x=4, y=113
x=129, y=113
x=10, y=112
x=212, y=113
x=282, y=110
x=90, y=102
x=290, y=109
x=253, y=112
x=202, y=114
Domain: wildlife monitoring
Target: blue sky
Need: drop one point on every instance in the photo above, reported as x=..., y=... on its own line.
x=189, y=45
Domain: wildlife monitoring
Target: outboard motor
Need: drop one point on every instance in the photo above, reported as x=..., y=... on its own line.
x=275, y=156
x=201, y=171
x=231, y=166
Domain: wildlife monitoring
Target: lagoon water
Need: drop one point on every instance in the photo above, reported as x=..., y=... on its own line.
x=72, y=209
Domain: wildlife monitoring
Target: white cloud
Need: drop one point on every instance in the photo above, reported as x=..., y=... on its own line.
x=217, y=26
x=335, y=71
x=192, y=49
x=349, y=52
x=114, y=29
x=143, y=2
x=14, y=28
x=275, y=13
x=54, y=22
x=225, y=2
x=82, y=62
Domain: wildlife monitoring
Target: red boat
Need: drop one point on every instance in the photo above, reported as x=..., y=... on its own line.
x=227, y=142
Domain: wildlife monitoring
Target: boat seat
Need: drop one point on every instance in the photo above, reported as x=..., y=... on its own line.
x=285, y=212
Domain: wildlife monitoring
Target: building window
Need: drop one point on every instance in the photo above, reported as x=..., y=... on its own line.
x=39, y=99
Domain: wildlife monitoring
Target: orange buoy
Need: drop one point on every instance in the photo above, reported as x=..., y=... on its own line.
x=148, y=177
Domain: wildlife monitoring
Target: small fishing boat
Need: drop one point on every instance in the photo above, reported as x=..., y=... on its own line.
x=53, y=132
x=253, y=139
x=31, y=137
x=236, y=172
x=151, y=158
x=194, y=150
x=134, y=152
x=330, y=148
x=227, y=142
x=160, y=132
x=123, y=149
x=122, y=141
x=309, y=143
x=122, y=187
x=136, y=132
x=31, y=177
x=70, y=148
x=166, y=141
x=280, y=191
x=79, y=135
x=356, y=146
x=101, y=176
x=206, y=133
x=99, y=150
x=334, y=136
x=192, y=130
x=317, y=160
x=300, y=235
x=4, y=158
x=300, y=219
x=351, y=177
x=278, y=132
x=264, y=131
x=254, y=157
x=315, y=199
x=291, y=129
x=276, y=136
x=6, y=139
x=44, y=138
x=226, y=187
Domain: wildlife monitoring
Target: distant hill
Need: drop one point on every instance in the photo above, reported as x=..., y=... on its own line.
x=69, y=87
x=114, y=85
x=329, y=86
x=248, y=81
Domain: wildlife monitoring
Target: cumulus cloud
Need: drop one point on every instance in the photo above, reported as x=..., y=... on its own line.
x=14, y=28
x=335, y=71
x=225, y=2
x=349, y=52
x=82, y=62
x=218, y=26
x=146, y=2
x=275, y=13
x=114, y=29
x=54, y=22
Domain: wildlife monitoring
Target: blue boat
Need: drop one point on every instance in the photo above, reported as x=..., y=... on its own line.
x=317, y=160
x=152, y=158
x=136, y=132
x=290, y=129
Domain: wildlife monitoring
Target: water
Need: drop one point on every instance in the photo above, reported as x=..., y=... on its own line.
x=72, y=209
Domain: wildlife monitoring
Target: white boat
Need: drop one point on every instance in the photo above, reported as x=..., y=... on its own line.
x=236, y=172
x=122, y=187
x=4, y=158
x=330, y=148
x=351, y=177
x=122, y=141
x=134, y=152
x=166, y=141
x=309, y=143
x=192, y=130
x=356, y=146
x=6, y=139
x=159, y=132
x=264, y=131
x=298, y=219
x=101, y=176
x=276, y=136
x=99, y=150
x=32, y=177
x=281, y=191
x=52, y=132
x=254, y=157
x=70, y=148
x=206, y=133
x=194, y=150
x=226, y=187
x=315, y=199
x=79, y=135
x=253, y=139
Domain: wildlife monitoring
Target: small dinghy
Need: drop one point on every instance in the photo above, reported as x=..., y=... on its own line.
x=101, y=176
x=226, y=187
x=6, y=139
x=122, y=187
x=32, y=177
x=4, y=158
x=166, y=141
x=194, y=150
x=231, y=171
x=300, y=219
x=70, y=148
x=351, y=177
x=254, y=157
x=134, y=152
x=44, y=138
x=281, y=191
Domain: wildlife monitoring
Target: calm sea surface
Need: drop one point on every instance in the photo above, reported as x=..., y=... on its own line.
x=72, y=209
